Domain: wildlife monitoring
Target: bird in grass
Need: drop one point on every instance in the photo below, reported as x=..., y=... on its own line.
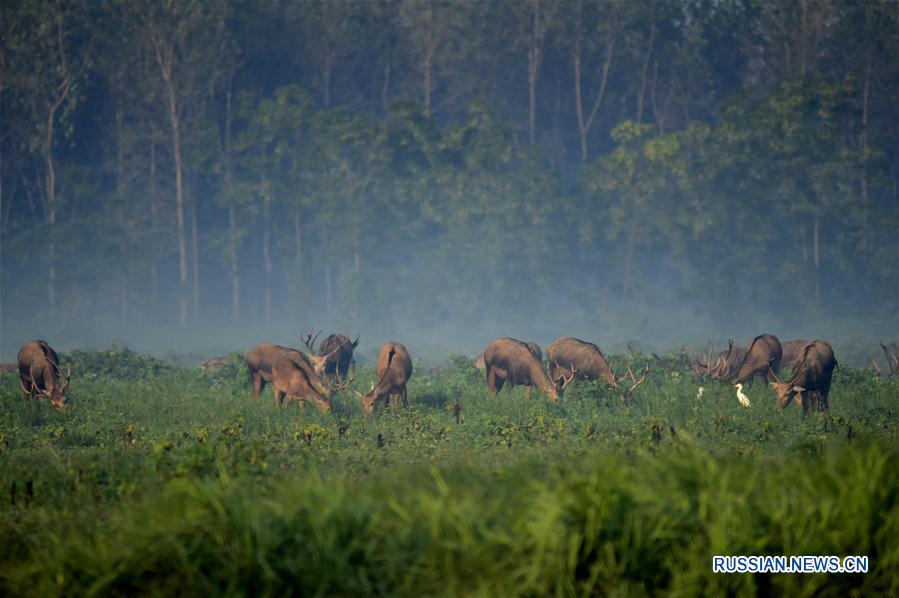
x=699, y=394
x=744, y=400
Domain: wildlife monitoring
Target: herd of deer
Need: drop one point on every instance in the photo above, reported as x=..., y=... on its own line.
x=315, y=376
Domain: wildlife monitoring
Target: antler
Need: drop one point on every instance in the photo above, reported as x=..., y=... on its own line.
x=309, y=340
x=634, y=379
x=342, y=385
x=566, y=382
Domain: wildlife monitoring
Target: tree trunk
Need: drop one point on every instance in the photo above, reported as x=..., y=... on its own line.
x=154, y=219
x=51, y=213
x=817, y=263
x=427, y=65
x=266, y=259
x=195, y=258
x=641, y=93
x=584, y=125
x=232, y=262
x=628, y=258
x=328, y=293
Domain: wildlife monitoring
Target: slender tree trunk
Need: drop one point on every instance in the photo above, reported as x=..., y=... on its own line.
x=195, y=258
x=232, y=261
x=51, y=214
x=426, y=83
x=165, y=64
x=585, y=124
x=328, y=290
x=628, y=259
x=385, y=88
x=120, y=195
x=266, y=258
x=817, y=263
x=154, y=243
x=641, y=93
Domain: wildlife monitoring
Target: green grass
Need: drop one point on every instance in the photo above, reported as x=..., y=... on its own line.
x=164, y=480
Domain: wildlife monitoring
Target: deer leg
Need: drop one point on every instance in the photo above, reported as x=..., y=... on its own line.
x=494, y=382
x=279, y=397
x=806, y=402
x=258, y=384
x=527, y=392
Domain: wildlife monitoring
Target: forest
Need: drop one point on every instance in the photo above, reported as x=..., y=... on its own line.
x=446, y=171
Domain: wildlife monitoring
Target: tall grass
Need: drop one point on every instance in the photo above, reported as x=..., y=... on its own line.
x=597, y=524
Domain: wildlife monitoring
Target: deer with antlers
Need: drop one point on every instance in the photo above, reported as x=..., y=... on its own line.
x=571, y=359
x=336, y=350
x=393, y=368
x=294, y=379
x=39, y=373
x=261, y=360
x=509, y=360
x=810, y=383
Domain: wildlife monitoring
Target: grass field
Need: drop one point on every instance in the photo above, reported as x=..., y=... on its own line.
x=170, y=481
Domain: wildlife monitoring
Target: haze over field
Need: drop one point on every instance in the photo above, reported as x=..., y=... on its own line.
x=195, y=178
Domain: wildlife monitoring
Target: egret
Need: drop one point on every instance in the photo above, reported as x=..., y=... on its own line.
x=699, y=394
x=744, y=400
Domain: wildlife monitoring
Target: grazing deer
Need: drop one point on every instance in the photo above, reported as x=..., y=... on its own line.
x=571, y=359
x=393, y=368
x=39, y=373
x=762, y=356
x=293, y=379
x=261, y=360
x=810, y=383
x=508, y=360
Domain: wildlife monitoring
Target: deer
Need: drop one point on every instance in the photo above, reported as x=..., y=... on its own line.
x=810, y=383
x=534, y=347
x=393, y=368
x=336, y=351
x=508, y=360
x=792, y=352
x=261, y=360
x=762, y=357
x=580, y=360
x=293, y=379
x=39, y=373
x=571, y=359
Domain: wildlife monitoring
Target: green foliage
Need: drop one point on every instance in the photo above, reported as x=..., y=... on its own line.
x=117, y=363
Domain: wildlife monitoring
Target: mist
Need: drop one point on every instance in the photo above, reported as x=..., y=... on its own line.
x=407, y=171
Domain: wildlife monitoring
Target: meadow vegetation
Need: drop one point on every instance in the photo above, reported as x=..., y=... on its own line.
x=168, y=480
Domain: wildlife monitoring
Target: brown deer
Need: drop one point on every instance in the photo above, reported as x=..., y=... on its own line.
x=792, y=352
x=39, y=373
x=534, y=347
x=296, y=380
x=337, y=352
x=571, y=359
x=762, y=357
x=261, y=360
x=510, y=360
x=810, y=383
x=393, y=368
